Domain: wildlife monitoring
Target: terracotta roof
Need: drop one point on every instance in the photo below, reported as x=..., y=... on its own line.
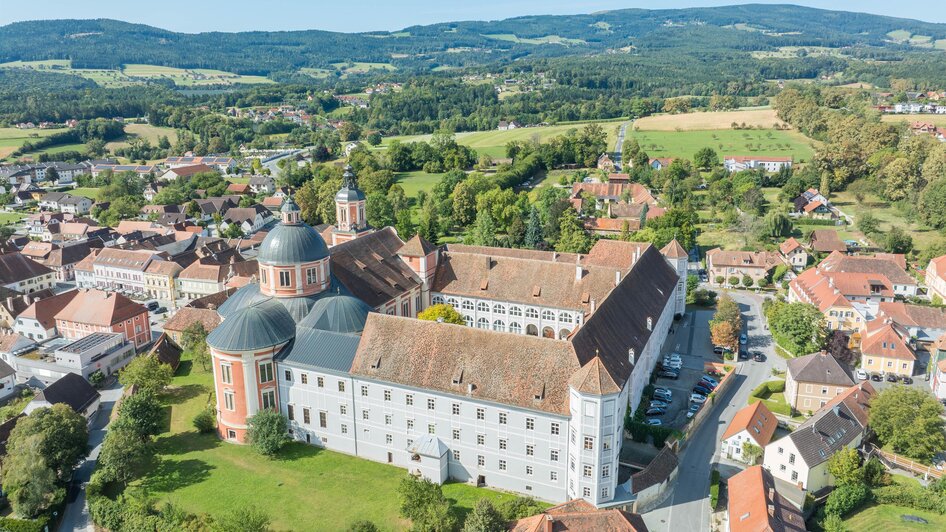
x=885, y=265
x=883, y=339
x=743, y=259
x=757, y=420
x=898, y=258
x=238, y=188
x=577, y=515
x=272, y=202
x=913, y=315
x=789, y=245
x=638, y=192
x=758, y=506
x=462, y=360
x=187, y=316
x=38, y=250
x=612, y=225
x=674, y=250
x=166, y=351
x=819, y=368
x=9, y=341
x=371, y=269
x=593, y=378
x=15, y=267
x=45, y=310
x=940, y=263
x=615, y=253
x=812, y=205
x=96, y=307
x=130, y=226
x=163, y=267
x=417, y=246
x=826, y=289
x=827, y=240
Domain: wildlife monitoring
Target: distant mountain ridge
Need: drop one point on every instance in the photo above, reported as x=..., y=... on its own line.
x=108, y=44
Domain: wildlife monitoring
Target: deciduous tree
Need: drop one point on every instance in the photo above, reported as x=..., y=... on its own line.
x=147, y=373
x=267, y=432
x=908, y=421
x=442, y=312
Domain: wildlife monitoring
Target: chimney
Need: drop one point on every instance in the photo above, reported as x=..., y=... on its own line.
x=549, y=523
x=578, y=270
x=469, y=388
x=771, y=494
x=771, y=510
x=593, y=306
x=10, y=302
x=617, y=277
x=637, y=255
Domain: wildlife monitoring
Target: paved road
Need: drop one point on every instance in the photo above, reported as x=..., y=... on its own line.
x=687, y=509
x=619, y=145
x=77, y=512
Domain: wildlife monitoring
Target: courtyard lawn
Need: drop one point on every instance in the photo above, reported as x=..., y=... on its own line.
x=765, y=142
x=414, y=182
x=887, y=518
x=87, y=192
x=303, y=488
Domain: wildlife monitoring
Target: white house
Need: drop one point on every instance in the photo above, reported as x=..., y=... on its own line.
x=739, y=163
x=801, y=458
x=754, y=424
x=7, y=380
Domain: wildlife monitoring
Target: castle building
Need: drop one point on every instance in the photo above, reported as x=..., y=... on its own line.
x=529, y=397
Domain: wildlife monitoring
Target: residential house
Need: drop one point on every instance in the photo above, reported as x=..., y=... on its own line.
x=208, y=275
x=248, y=219
x=187, y=316
x=922, y=324
x=580, y=515
x=239, y=188
x=813, y=380
x=801, y=458
x=722, y=266
x=885, y=348
x=753, y=425
x=184, y=172
x=660, y=163
x=158, y=210
x=143, y=170
x=161, y=280
x=889, y=266
x=13, y=303
x=77, y=205
x=92, y=311
x=755, y=505
x=19, y=272
x=151, y=190
x=826, y=241
x=166, y=351
x=739, y=163
x=60, y=258
x=38, y=321
x=794, y=254
x=220, y=164
x=262, y=184
x=71, y=390
x=936, y=278
x=813, y=204
x=7, y=380
x=122, y=268
x=612, y=192
x=507, y=126
x=605, y=163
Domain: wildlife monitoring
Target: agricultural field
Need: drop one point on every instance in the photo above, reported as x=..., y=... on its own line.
x=777, y=143
x=12, y=138
x=362, y=68
x=59, y=148
x=939, y=120
x=761, y=117
x=196, y=77
x=548, y=39
x=790, y=52
x=91, y=193
x=493, y=143
x=145, y=131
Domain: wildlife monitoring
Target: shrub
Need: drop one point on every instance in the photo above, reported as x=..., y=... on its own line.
x=845, y=499
x=204, y=421
x=267, y=432
x=96, y=378
x=10, y=524
x=911, y=496
x=714, y=489
x=719, y=279
x=733, y=281
x=660, y=435
x=833, y=523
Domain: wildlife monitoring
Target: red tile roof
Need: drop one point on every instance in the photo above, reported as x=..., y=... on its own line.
x=95, y=307
x=755, y=505
x=579, y=515
x=757, y=420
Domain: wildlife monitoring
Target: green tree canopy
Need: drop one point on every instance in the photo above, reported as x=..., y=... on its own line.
x=267, y=432
x=484, y=518
x=908, y=421
x=61, y=436
x=28, y=482
x=798, y=327
x=442, y=312
x=147, y=373
x=423, y=503
x=845, y=466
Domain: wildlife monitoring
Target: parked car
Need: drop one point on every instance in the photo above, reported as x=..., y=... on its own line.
x=667, y=374
x=663, y=389
x=743, y=354
x=694, y=408
x=655, y=411
x=876, y=377
x=710, y=380
x=671, y=364
x=697, y=398
x=743, y=339
x=152, y=305
x=663, y=395
x=892, y=377
x=702, y=390
x=862, y=375
x=906, y=380
x=719, y=350
x=658, y=404
x=664, y=398
x=161, y=310
x=654, y=422
x=758, y=357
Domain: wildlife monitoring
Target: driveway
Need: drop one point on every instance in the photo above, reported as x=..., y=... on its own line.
x=688, y=509
x=619, y=145
x=76, y=515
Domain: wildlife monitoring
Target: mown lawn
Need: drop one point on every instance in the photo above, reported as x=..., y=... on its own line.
x=414, y=182
x=888, y=215
x=304, y=488
x=888, y=518
x=767, y=142
x=88, y=192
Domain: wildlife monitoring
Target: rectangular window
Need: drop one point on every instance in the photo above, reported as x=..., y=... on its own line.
x=344, y=429
x=502, y=418
x=587, y=471
x=323, y=420
x=502, y=465
x=410, y=424
x=387, y=395
x=431, y=428
x=502, y=444
x=586, y=492
x=284, y=279
x=364, y=391
x=555, y=428
x=269, y=399
x=480, y=413
x=530, y=450
x=343, y=409
x=406, y=308
x=481, y=460
x=305, y=378
x=794, y=475
x=311, y=276
x=388, y=439
x=589, y=443
x=320, y=382
x=791, y=458
x=530, y=423
x=226, y=375
x=430, y=404
x=456, y=434
x=481, y=439
x=553, y=476
x=605, y=471
x=604, y=492
x=266, y=372
x=387, y=419
x=529, y=470
x=456, y=409
x=305, y=416
x=289, y=375
x=553, y=455
x=341, y=386
x=289, y=412
x=409, y=399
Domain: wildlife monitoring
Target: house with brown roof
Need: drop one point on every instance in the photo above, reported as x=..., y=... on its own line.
x=605, y=163
x=23, y=274
x=580, y=515
x=248, y=219
x=887, y=265
x=794, y=254
x=59, y=258
x=160, y=279
x=826, y=241
x=121, y=268
x=38, y=321
x=92, y=311
x=184, y=172
x=13, y=303
x=813, y=380
x=935, y=278
x=209, y=275
x=922, y=323
x=187, y=316
x=755, y=505
x=723, y=267
x=886, y=348
x=801, y=458
x=753, y=425
x=238, y=188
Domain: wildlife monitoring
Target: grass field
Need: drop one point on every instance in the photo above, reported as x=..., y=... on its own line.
x=59, y=148
x=146, y=131
x=547, y=39
x=11, y=217
x=106, y=78
x=135, y=74
x=303, y=488
x=362, y=68
x=12, y=138
x=923, y=236
x=726, y=142
x=414, y=182
x=765, y=118
x=887, y=518
x=91, y=193
x=939, y=120
x=493, y=143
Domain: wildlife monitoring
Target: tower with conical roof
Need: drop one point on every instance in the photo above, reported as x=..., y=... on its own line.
x=677, y=257
x=351, y=222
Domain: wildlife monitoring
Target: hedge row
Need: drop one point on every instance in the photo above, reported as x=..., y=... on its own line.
x=766, y=389
x=815, y=221
x=24, y=525
x=714, y=489
x=914, y=497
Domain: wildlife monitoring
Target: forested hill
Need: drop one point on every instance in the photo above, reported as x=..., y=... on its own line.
x=108, y=44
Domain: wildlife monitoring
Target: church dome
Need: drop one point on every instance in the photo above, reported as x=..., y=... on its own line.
x=339, y=313
x=290, y=244
x=260, y=325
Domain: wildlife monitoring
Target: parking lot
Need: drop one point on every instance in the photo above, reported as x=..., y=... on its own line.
x=691, y=340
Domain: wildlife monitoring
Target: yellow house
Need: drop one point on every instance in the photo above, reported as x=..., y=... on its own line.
x=886, y=349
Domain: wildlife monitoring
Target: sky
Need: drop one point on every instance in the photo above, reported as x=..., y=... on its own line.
x=194, y=16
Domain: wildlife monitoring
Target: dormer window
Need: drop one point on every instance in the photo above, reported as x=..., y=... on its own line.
x=630, y=355
x=650, y=323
